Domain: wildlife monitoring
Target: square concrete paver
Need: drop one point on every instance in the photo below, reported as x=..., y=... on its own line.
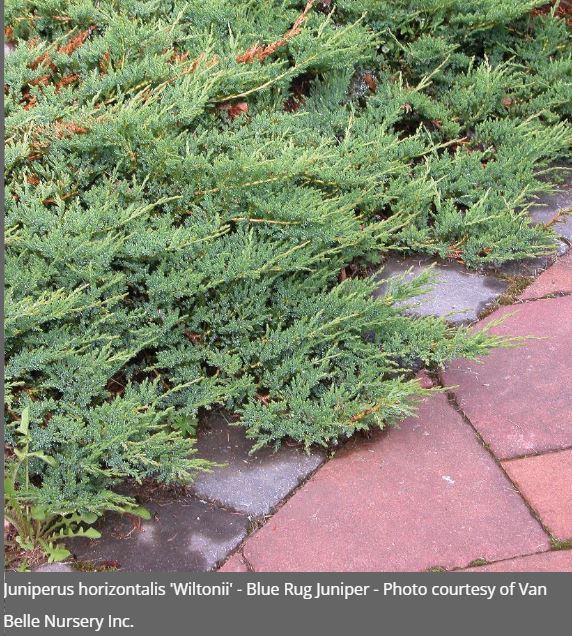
x=556, y=280
x=253, y=484
x=425, y=495
x=555, y=561
x=184, y=535
x=457, y=294
x=545, y=481
x=520, y=399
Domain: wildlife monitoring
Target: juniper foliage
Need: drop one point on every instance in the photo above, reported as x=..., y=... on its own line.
x=188, y=181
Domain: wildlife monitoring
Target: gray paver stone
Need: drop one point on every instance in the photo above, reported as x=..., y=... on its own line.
x=556, y=207
x=184, y=535
x=457, y=294
x=255, y=483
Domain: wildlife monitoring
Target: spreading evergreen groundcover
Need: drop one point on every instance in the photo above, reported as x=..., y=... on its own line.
x=194, y=190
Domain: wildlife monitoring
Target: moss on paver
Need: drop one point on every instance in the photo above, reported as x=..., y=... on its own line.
x=515, y=286
x=478, y=563
x=560, y=544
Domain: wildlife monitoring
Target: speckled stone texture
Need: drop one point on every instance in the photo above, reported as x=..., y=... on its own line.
x=253, y=484
x=184, y=535
x=520, y=399
x=556, y=280
x=425, y=495
x=545, y=481
x=457, y=294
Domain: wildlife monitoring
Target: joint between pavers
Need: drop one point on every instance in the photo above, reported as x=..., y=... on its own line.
x=246, y=562
x=551, y=296
x=256, y=523
x=261, y=520
x=549, y=451
x=238, y=552
x=454, y=403
x=471, y=564
x=560, y=545
x=517, y=302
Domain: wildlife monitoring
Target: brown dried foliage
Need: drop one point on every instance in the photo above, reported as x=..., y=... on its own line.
x=76, y=41
x=370, y=81
x=66, y=81
x=28, y=100
x=234, y=110
x=45, y=59
x=9, y=36
x=104, y=63
x=264, y=398
x=195, y=338
x=261, y=51
x=64, y=129
x=179, y=57
x=563, y=11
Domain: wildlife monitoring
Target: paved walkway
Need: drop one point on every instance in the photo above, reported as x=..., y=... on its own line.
x=480, y=480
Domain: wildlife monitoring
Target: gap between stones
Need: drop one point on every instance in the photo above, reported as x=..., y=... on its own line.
x=485, y=562
x=257, y=522
x=524, y=301
x=246, y=562
x=452, y=399
x=550, y=451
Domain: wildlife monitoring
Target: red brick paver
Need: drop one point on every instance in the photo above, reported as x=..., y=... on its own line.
x=556, y=279
x=427, y=494
x=556, y=561
x=520, y=400
x=545, y=481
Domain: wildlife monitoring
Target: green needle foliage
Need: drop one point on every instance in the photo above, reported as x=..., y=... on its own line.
x=192, y=186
